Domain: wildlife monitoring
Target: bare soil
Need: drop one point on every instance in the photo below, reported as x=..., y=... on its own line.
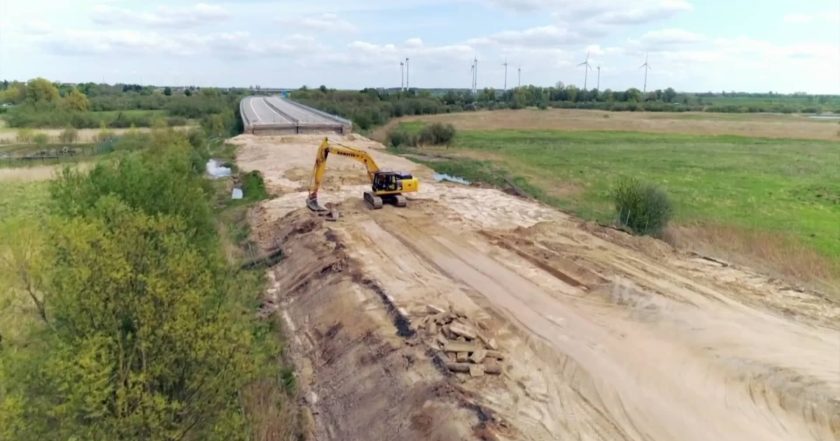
x=694, y=123
x=606, y=336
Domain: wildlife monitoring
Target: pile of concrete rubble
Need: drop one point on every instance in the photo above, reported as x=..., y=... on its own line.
x=465, y=348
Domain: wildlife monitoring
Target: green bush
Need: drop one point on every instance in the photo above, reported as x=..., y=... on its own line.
x=436, y=134
x=643, y=208
x=68, y=135
x=253, y=187
x=398, y=137
x=41, y=139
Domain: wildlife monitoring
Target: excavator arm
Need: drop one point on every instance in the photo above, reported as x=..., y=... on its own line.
x=321, y=164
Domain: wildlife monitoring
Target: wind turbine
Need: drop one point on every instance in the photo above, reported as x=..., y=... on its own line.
x=505, y=64
x=472, y=77
x=406, y=74
x=587, y=66
x=647, y=67
x=402, y=76
x=599, y=78
x=519, y=76
x=475, y=75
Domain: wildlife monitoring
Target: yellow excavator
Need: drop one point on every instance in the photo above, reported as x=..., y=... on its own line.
x=386, y=186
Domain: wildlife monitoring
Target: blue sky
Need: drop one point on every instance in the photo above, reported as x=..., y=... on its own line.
x=692, y=45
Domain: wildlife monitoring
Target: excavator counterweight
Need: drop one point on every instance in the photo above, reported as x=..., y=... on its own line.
x=386, y=186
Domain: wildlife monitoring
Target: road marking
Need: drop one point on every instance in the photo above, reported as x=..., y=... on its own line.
x=251, y=103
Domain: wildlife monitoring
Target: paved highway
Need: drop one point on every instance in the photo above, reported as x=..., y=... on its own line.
x=276, y=115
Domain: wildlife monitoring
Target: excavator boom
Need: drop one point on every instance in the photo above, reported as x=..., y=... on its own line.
x=388, y=185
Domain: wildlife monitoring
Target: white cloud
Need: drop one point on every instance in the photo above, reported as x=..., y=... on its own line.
x=414, y=42
x=798, y=18
x=227, y=44
x=537, y=37
x=325, y=22
x=667, y=38
x=831, y=16
x=601, y=12
x=195, y=15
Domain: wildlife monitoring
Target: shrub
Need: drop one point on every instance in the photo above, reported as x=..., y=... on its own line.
x=436, y=134
x=104, y=134
x=24, y=136
x=253, y=186
x=41, y=139
x=68, y=135
x=643, y=208
x=400, y=137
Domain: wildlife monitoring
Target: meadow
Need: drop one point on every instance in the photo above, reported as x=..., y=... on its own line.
x=784, y=189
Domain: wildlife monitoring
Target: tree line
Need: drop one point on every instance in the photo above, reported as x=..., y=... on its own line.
x=40, y=103
x=371, y=107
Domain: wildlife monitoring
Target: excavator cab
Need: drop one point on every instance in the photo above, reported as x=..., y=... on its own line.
x=388, y=181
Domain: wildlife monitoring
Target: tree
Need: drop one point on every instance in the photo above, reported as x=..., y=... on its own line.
x=146, y=338
x=14, y=94
x=669, y=95
x=167, y=91
x=76, y=101
x=21, y=268
x=142, y=347
x=40, y=91
x=187, y=92
x=571, y=93
x=633, y=95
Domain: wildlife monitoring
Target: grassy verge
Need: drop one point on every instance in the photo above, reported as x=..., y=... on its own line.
x=784, y=188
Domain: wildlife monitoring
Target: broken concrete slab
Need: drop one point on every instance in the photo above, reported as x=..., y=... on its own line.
x=476, y=370
x=462, y=356
x=478, y=356
x=433, y=309
x=492, y=368
x=495, y=354
x=453, y=346
x=462, y=330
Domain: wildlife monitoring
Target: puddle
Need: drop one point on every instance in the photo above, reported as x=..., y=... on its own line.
x=216, y=170
x=444, y=177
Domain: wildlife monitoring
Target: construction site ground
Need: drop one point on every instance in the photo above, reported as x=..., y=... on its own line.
x=602, y=335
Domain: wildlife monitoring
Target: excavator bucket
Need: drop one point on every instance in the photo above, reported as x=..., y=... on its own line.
x=313, y=204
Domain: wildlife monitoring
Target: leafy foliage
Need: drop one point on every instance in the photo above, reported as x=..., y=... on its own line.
x=145, y=332
x=436, y=134
x=428, y=134
x=644, y=208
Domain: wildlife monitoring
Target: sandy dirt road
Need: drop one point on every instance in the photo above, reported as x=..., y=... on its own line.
x=607, y=336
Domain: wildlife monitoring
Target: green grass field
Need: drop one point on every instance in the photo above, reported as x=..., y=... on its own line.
x=790, y=187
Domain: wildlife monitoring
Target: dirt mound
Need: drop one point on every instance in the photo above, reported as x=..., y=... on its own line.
x=363, y=373
x=605, y=336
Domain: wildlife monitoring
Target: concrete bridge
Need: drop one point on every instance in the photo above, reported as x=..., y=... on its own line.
x=275, y=115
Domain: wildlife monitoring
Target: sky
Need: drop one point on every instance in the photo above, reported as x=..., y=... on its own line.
x=691, y=45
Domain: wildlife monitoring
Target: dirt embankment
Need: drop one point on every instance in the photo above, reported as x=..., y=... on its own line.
x=605, y=336
x=692, y=123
